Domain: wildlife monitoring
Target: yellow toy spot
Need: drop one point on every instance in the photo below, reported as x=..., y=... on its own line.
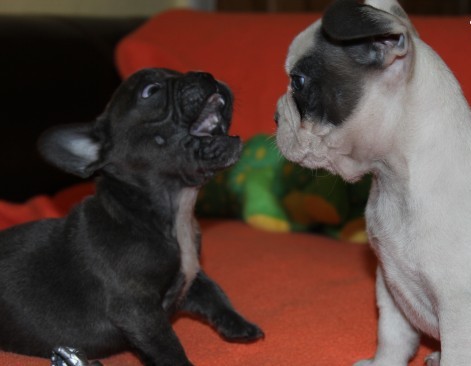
x=240, y=178
x=268, y=223
x=355, y=231
x=260, y=153
x=321, y=210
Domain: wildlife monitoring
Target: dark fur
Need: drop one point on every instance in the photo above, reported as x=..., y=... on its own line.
x=331, y=90
x=107, y=277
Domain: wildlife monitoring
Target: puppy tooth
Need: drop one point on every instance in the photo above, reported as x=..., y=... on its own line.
x=213, y=119
x=216, y=98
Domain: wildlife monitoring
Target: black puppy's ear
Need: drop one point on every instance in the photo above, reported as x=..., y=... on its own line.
x=376, y=37
x=72, y=148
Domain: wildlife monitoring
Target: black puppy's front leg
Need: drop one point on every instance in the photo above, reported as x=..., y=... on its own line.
x=207, y=300
x=148, y=330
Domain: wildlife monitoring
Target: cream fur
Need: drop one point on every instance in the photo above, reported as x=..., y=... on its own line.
x=187, y=232
x=412, y=130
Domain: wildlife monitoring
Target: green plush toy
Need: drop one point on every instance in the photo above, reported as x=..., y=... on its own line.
x=271, y=193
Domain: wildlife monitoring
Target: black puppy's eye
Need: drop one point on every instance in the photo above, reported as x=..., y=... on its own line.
x=150, y=89
x=297, y=82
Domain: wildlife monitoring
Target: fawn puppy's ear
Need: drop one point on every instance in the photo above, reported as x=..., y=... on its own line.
x=371, y=36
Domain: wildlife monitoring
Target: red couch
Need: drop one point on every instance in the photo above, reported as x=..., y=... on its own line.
x=313, y=296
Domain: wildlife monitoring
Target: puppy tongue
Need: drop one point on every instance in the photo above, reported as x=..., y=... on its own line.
x=209, y=118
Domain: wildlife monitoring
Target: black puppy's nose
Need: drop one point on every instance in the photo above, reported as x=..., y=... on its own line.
x=276, y=117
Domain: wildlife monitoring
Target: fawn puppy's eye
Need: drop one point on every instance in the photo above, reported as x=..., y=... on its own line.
x=297, y=82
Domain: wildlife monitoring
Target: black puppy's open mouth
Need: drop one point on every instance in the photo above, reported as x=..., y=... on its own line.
x=210, y=122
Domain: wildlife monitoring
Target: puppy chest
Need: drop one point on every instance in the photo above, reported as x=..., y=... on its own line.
x=187, y=235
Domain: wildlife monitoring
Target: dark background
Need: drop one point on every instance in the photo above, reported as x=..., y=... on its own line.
x=53, y=70
x=411, y=6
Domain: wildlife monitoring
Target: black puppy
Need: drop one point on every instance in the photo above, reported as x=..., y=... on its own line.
x=107, y=277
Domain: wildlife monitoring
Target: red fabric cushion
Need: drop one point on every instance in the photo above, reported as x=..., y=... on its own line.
x=248, y=50
x=41, y=207
x=313, y=297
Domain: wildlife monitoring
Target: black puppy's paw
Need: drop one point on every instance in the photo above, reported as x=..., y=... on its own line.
x=235, y=328
x=68, y=356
